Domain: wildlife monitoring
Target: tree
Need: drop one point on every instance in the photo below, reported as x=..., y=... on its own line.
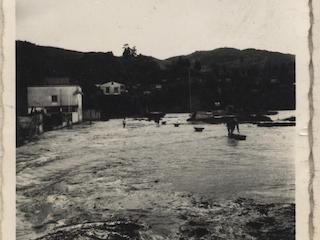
x=197, y=65
x=129, y=52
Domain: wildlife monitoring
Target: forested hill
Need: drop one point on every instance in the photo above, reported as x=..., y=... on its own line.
x=228, y=75
x=234, y=58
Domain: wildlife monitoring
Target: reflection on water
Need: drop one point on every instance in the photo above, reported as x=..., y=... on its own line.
x=232, y=142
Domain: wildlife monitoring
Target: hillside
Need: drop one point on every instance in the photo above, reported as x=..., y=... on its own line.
x=226, y=75
x=235, y=57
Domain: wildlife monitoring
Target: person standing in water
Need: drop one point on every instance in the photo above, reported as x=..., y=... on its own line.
x=124, y=122
x=231, y=125
x=157, y=121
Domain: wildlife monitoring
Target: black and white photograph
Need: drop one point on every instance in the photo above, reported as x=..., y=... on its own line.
x=156, y=119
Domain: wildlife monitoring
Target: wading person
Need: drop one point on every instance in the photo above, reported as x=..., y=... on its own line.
x=157, y=120
x=124, y=122
x=231, y=125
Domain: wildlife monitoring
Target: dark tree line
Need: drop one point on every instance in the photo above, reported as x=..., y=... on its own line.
x=248, y=79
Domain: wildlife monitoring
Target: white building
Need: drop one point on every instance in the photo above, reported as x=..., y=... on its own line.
x=112, y=88
x=57, y=98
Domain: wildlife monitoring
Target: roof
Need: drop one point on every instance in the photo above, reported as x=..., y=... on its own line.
x=111, y=82
x=61, y=85
x=57, y=80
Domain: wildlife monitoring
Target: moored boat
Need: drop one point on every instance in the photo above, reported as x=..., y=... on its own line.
x=237, y=136
x=276, y=124
x=154, y=115
x=218, y=117
x=198, y=129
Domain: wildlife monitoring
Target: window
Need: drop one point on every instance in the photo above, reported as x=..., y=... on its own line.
x=54, y=98
x=116, y=90
x=53, y=109
x=69, y=109
x=107, y=90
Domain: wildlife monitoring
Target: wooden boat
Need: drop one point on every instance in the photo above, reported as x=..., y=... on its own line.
x=221, y=117
x=206, y=117
x=290, y=119
x=154, y=115
x=198, y=129
x=237, y=136
x=271, y=113
x=276, y=124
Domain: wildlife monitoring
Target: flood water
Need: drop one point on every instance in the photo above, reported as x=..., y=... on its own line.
x=167, y=182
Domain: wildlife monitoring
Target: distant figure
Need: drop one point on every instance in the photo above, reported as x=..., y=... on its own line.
x=177, y=123
x=231, y=125
x=157, y=120
x=124, y=122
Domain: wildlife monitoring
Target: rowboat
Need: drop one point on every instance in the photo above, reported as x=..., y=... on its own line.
x=198, y=129
x=237, y=136
x=276, y=124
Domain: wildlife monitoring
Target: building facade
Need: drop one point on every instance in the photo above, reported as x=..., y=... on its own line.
x=112, y=88
x=53, y=99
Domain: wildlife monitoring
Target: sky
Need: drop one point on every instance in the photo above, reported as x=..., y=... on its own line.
x=162, y=28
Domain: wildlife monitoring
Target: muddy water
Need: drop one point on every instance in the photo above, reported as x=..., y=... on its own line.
x=101, y=181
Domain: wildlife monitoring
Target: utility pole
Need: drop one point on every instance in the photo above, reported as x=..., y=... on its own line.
x=189, y=81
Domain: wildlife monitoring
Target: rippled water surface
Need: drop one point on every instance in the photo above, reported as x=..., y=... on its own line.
x=160, y=178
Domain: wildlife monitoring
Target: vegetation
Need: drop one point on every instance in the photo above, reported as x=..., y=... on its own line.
x=129, y=52
x=248, y=79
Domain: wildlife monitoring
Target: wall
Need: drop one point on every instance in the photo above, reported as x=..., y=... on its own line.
x=79, y=100
x=112, y=86
x=66, y=96
x=41, y=96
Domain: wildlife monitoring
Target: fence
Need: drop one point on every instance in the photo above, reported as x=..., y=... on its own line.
x=28, y=127
x=91, y=115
